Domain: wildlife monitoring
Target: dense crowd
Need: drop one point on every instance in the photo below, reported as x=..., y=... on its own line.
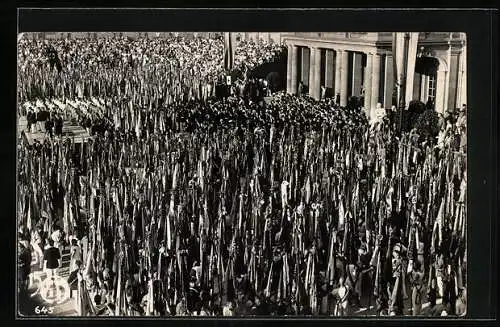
x=235, y=208
x=150, y=72
x=232, y=113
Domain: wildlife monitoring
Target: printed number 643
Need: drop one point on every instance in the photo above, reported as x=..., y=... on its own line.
x=43, y=310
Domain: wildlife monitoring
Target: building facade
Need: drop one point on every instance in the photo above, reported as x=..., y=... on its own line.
x=361, y=64
x=265, y=36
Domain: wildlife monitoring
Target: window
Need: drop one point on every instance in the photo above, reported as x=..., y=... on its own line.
x=432, y=88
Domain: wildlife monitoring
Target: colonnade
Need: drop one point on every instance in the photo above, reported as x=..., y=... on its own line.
x=368, y=71
x=343, y=72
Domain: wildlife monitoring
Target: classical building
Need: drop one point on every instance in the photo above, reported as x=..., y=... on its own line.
x=361, y=64
x=265, y=36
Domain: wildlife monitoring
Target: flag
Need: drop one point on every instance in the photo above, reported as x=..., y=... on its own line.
x=341, y=214
x=330, y=273
x=439, y=221
x=29, y=218
x=267, y=291
x=67, y=214
x=138, y=125
x=119, y=286
x=170, y=215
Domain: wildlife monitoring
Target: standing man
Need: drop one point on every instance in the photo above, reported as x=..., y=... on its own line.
x=76, y=254
x=23, y=264
x=396, y=299
x=323, y=92
x=417, y=280
x=461, y=303
x=300, y=89
x=30, y=119
x=342, y=293
x=57, y=236
x=49, y=125
x=58, y=125
x=37, y=244
x=52, y=259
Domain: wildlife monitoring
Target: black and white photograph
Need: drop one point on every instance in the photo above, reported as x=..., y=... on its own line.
x=241, y=174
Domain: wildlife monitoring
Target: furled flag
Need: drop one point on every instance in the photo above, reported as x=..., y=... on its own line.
x=341, y=214
x=29, y=218
x=308, y=190
x=174, y=177
x=389, y=199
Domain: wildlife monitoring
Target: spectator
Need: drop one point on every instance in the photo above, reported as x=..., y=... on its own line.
x=52, y=259
x=23, y=265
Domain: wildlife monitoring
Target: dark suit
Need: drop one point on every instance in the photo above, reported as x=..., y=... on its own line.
x=59, y=126
x=48, y=126
x=31, y=119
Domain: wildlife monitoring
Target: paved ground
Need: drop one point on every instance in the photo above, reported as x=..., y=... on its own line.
x=78, y=133
x=41, y=297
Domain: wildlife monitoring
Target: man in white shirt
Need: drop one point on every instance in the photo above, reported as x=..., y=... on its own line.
x=228, y=310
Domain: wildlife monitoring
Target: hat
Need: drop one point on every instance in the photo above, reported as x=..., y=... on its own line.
x=397, y=248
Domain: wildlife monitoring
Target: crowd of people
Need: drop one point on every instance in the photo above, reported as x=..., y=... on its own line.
x=228, y=207
x=163, y=70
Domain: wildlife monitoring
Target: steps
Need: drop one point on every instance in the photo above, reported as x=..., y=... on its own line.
x=67, y=308
x=64, y=271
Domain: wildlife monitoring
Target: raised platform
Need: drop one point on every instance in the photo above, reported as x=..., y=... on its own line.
x=75, y=132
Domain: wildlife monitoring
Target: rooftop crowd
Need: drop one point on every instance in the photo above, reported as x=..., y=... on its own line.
x=202, y=206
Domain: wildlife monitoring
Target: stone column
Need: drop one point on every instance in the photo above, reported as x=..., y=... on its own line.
x=344, y=77
x=367, y=84
x=305, y=65
x=375, y=82
x=317, y=74
x=453, y=81
x=357, y=68
x=338, y=64
x=312, y=70
x=463, y=77
x=294, y=69
x=389, y=80
x=447, y=79
x=314, y=73
x=289, y=89
x=410, y=67
x=458, y=100
x=440, y=103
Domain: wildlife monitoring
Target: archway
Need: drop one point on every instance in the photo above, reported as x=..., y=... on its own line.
x=429, y=81
x=424, y=85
